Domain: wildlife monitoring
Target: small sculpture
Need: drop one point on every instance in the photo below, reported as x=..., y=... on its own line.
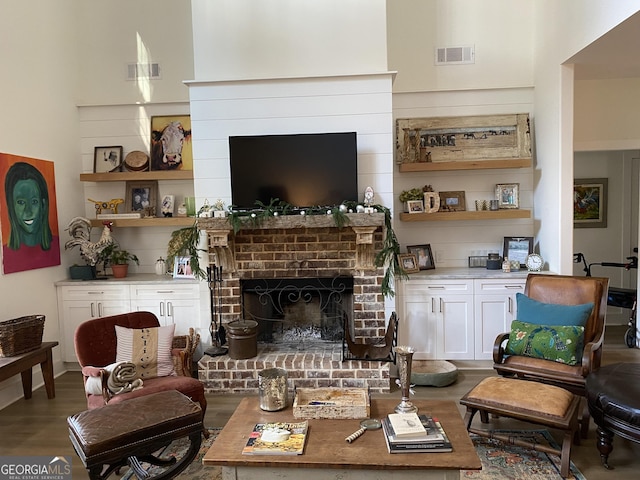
x=110, y=205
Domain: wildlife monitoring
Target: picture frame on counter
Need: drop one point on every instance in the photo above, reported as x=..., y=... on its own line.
x=518, y=248
x=424, y=256
x=408, y=262
x=182, y=268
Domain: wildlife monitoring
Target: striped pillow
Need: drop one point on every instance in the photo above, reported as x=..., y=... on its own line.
x=148, y=348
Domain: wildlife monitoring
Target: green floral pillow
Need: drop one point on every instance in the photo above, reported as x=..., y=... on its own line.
x=562, y=344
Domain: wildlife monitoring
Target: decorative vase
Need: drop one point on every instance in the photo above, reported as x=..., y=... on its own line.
x=404, y=357
x=161, y=266
x=120, y=271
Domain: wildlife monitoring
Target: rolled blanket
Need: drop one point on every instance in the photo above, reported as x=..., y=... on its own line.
x=121, y=378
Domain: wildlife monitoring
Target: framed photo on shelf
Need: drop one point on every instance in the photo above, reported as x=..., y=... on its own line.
x=508, y=195
x=171, y=147
x=141, y=197
x=424, y=256
x=182, y=268
x=452, y=202
x=408, y=262
x=590, y=202
x=517, y=248
x=415, y=206
x=107, y=159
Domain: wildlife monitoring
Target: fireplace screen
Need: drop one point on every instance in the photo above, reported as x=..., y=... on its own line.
x=299, y=311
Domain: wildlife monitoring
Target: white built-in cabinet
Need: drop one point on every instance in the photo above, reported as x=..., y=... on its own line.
x=176, y=302
x=451, y=319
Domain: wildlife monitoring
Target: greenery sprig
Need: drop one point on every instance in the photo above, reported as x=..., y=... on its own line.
x=184, y=242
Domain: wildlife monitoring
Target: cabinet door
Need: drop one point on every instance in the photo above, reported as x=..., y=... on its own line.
x=171, y=303
x=417, y=325
x=184, y=313
x=455, y=327
x=495, y=308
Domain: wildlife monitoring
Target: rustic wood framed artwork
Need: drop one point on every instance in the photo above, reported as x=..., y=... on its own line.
x=590, y=203
x=508, y=195
x=451, y=139
x=424, y=255
x=171, y=143
x=107, y=159
x=408, y=262
x=452, y=202
x=142, y=197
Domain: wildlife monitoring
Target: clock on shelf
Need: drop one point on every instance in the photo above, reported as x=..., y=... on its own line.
x=534, y=262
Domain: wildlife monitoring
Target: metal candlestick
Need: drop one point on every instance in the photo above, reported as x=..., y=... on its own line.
x=404, y=356
x=214, y=279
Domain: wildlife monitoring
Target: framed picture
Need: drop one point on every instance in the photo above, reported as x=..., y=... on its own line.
x=424, y=255
x=508, y=195
x=517, y=248
x=452, y=202
x=141, y=197
x=409, y=262
x=182, y=268
x=166, y=206
x=107, y=159
x=415, y=206
x=590, y=203
x=171, y=143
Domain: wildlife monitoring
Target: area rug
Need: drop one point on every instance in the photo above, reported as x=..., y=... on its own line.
x=510, y=462
x=499, y=461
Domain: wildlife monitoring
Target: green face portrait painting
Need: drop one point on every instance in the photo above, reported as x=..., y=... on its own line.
x=29, y=219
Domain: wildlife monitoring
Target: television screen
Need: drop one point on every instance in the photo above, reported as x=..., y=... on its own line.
x=304, y=170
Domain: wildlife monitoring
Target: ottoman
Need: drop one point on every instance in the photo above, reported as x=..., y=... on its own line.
x=129, y=432
x=613, y=397
x=533, y=402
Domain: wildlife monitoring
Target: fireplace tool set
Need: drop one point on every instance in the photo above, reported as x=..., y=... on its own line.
x=217, y=331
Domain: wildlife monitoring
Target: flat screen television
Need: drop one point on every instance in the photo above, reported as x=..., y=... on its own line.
x=304, y=170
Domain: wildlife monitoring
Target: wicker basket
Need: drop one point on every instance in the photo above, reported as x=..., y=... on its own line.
x=340, y=403
x=21, y=335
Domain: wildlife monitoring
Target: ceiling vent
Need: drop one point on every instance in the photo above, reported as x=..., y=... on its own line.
x=136, y=71
x=462, y=55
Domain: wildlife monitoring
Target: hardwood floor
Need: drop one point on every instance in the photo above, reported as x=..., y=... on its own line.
x=38, y=426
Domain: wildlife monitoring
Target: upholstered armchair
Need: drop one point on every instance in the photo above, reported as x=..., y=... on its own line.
x=561, y=290
x=96, y=348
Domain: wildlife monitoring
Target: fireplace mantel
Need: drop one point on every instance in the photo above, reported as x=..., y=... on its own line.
x=295, y=221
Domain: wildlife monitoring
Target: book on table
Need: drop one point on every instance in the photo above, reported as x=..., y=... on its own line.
x=406, y=425
x=277, y=438
x=435, y=441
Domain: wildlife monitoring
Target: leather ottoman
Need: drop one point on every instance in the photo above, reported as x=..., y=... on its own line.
x=112, y=436
x=613, y=396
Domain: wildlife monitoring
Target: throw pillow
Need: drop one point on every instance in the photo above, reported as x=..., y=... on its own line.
x=148, y=348
x=560, y=343
x=532, y=311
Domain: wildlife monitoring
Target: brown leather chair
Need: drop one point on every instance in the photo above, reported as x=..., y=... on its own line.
x=561, y=290
x=95, y=343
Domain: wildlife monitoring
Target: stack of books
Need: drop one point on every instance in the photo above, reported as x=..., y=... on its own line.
x=413, y=433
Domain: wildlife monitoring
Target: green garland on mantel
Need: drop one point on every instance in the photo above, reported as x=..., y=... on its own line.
x=254, y=218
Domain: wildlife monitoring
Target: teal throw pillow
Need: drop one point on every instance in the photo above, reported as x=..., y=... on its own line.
x=559, y=343
x=532, y=311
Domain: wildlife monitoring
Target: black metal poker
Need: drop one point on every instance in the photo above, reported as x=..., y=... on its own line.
x=218, y=335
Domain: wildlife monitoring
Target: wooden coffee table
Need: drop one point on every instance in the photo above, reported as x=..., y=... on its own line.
x=327, y=454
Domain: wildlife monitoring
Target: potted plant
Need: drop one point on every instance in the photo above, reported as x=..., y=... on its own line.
x=184, y=242
x=119, y=260
x=409, y=195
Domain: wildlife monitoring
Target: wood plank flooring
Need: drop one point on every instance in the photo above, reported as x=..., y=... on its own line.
x=38, y=426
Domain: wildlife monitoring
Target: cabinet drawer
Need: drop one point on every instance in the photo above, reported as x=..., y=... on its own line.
x=96, y=292
x=494, y=286
x=163, y=291
x=434, y=287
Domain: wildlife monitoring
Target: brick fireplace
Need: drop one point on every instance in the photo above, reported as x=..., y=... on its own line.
x=300, y=249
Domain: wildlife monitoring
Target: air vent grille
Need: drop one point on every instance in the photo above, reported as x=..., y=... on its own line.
x=143, y=70
x=461, y=55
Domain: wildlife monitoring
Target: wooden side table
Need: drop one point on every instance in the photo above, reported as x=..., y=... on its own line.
x=22, y=364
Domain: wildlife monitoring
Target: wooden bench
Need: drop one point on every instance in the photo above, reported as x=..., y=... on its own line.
x=22, y=364
x=533, y=402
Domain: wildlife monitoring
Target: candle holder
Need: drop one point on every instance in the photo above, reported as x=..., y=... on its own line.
x=404, y=357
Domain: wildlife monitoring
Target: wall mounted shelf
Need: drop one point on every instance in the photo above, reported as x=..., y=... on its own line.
x=464, y=165
x=137, y=176
x=469, y=215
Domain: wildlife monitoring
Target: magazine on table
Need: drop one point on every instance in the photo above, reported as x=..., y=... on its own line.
x=277, y=438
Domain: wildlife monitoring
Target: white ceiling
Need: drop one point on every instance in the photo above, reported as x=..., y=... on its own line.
x=614, y=55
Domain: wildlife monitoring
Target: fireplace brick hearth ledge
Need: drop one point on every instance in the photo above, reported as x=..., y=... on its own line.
x=300, y=246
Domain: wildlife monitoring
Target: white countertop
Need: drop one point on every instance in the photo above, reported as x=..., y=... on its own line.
x=464, y=272
x=130, y=280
